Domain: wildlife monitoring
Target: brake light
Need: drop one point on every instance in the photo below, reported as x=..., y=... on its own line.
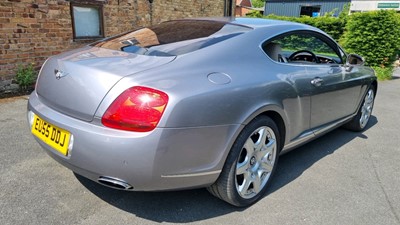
x=136, y=109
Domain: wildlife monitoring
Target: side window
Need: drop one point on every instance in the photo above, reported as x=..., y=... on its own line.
x=87, y=21
x=306, y=48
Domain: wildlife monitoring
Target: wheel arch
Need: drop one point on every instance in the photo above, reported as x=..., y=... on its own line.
x=224, y=185
x=374, y=83
x=276, y=113
x=277, y=118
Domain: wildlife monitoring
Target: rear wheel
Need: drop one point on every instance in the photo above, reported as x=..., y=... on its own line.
x=250, y=164
x=360, y=121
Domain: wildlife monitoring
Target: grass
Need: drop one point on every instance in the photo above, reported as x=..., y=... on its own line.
x=384, y=73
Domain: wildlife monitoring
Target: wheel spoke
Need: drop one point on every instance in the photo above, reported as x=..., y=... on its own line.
x=267, y=165
x=269, y=147
x=267, y=150
x=257, y=184
x=363, y=113
x=249, y=146
x=369, y=100
x=243, y=189
x=261, y=139
x=242, y=167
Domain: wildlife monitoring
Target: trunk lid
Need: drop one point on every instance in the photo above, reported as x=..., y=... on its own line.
x=74, y=83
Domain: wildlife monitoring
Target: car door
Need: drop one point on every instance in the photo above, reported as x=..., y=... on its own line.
x=332, y=87
x=335, y=93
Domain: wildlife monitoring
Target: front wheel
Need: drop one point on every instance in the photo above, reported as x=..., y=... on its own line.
x=250, y=164
x=360, y=121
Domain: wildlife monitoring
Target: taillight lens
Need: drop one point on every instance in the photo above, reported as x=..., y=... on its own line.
x=136, y=109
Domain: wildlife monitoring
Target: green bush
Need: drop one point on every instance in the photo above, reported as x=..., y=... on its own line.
x=258, y=3
x=255, y=14
x=25, y=75
x=375, y=35
x=331, y=25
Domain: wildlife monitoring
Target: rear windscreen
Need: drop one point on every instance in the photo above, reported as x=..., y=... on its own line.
x=173, y=37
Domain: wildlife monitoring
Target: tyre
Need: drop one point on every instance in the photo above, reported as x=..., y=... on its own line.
x=250, y=164
x=360, y=121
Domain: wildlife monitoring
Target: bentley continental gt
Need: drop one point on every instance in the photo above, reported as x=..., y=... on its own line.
x=197, y=103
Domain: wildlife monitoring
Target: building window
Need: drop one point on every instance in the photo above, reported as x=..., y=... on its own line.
x=87, y=21
x=311, y=11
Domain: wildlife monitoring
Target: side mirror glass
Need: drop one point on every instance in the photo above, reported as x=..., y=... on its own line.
x=354, y=59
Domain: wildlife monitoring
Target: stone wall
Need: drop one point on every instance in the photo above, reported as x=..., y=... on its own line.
x=33, y=30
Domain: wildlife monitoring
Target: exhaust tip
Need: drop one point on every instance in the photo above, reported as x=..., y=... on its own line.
x=114, y=183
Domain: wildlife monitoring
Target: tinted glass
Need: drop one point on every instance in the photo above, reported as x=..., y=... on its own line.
x=173, y=37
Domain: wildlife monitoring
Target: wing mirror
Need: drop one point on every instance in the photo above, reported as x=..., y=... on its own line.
x=354, y=60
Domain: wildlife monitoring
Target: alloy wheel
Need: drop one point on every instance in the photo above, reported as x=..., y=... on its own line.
x=366, y=109
x=256, y=162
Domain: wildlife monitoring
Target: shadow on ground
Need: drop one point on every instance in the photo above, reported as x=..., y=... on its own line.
x=196, y=205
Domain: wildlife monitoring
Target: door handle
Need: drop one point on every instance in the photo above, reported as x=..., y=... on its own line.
x=317, y=81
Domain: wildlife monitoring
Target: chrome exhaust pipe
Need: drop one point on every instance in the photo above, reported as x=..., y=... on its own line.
x=114, y=183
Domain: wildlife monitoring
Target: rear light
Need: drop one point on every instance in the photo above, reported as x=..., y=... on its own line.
x=136, y=109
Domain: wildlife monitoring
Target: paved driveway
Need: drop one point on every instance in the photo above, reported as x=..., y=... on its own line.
x=341, y=178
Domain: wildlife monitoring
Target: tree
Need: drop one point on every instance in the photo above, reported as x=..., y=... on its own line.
x=258, y=3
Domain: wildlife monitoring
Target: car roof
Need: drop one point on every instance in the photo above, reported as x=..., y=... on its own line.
x=250, y=22
x=259, y=22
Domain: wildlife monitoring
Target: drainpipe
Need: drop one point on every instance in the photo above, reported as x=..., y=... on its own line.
x=151, y=11
x=228, y=8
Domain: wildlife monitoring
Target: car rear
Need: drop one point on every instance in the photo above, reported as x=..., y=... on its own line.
x=124, y=147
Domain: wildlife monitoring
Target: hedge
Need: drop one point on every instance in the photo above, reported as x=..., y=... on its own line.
x=375, y=35
x=332, y=25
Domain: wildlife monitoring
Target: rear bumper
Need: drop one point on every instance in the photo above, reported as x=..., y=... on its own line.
x=163, y=159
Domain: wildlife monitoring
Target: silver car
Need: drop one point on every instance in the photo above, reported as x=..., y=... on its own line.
x=197, y=103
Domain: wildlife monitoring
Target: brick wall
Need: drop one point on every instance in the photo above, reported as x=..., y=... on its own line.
x=33, y=30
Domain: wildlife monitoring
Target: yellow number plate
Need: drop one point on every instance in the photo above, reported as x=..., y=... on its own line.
x=52, y=135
